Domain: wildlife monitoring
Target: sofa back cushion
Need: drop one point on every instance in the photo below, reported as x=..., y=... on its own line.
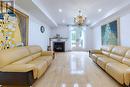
x=11, y=55
x=35, y=51
x=118, y=53
x=24, y=60
x=126, y=59
x=106, y=50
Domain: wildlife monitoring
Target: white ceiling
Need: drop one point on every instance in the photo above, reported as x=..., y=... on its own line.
x=30, y=8
x=47, y=10
x=89, y=8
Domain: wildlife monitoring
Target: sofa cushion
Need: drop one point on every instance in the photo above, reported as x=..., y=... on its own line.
x=126, y=59
x=34, y=49
x=116, y=57
x=45, y=58
x=12, y=55
x=95, y=56
x=106, y=53
x=95, y=51
x=117, y=70
x=36, y=55
x=102, y=61
x=118, y=53
x=40, y=65
x=118, y=50
x=106, y=50
x=24, y=60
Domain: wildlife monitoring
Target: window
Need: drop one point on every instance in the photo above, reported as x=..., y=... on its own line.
x=73, y=39
x=77, y=37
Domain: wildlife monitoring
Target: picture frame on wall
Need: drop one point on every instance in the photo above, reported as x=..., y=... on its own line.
x=13, y=27
x=110, y=33
x=42, y=29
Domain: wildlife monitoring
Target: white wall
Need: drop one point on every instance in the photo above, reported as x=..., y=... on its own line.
x=88, y=39
x=35, y=37
x=65, y=32
x=97, y=37
x=124, y=32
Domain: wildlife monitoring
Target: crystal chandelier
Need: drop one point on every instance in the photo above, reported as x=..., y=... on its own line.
x=80, y=19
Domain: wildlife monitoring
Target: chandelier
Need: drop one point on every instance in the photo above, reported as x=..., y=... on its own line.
x=80, y=19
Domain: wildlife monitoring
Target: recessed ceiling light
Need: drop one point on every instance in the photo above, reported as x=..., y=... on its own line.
x=60, y=10
x=63, y=21
x=99, y=10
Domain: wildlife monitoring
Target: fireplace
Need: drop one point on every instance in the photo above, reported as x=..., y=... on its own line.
x=59, y=46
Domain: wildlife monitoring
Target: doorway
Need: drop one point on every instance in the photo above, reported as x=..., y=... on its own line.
x=77, y=39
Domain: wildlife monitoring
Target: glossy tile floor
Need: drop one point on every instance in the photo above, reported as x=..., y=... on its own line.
x=75, y=69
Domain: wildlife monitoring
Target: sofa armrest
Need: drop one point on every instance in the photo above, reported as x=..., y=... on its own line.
x=48, y=53
x=127, y=77
x=95, y=51
x=20, y=68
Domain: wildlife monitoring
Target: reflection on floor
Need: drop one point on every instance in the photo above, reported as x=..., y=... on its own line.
x=75, y=69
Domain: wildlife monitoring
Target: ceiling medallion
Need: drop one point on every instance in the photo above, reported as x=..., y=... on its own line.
x=80, y=19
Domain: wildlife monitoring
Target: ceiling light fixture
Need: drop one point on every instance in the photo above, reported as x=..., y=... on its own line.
x=99, y=10
x=60, y=10
x=63, y=21
x=80, y=19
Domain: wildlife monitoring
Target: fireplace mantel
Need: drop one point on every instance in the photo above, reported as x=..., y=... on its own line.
x=54, y=41
x=59, y=39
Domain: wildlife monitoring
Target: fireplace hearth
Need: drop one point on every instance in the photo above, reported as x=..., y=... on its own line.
x=59, y=46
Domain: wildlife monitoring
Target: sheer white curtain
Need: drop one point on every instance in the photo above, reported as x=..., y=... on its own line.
x=77, y=37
